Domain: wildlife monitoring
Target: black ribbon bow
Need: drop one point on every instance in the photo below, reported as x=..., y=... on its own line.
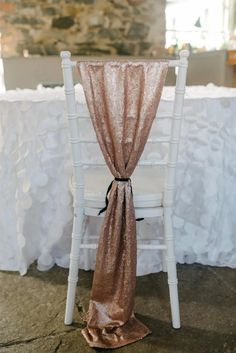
x=108, y=191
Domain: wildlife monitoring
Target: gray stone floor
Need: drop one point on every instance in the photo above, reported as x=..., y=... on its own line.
x=32, y=310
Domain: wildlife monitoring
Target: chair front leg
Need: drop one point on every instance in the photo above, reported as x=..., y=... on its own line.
x=171, y=267
x=74, y=263
x=163, y=261
x=86, y=252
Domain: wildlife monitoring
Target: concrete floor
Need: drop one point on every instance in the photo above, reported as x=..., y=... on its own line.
x=32, y=310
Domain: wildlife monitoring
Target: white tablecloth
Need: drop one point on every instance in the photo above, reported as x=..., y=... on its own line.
x=35, y=167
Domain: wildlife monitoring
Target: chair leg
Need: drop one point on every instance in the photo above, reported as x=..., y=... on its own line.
x=163, y=261
x=74, y=264
x=86, y=251
x=171, y=268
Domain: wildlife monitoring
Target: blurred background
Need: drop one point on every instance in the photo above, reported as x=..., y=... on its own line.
x=33, y=32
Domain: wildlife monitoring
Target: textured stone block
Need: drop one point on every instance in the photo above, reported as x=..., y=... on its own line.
x=50, y=11
x=88, y=2
x=138, y=31
x=88, y=27
x=63, y=22
x=126, y=48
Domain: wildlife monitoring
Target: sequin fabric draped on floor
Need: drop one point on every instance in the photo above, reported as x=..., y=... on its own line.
x=122, y=98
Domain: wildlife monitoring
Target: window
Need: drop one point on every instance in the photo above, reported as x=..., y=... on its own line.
x=204, y=24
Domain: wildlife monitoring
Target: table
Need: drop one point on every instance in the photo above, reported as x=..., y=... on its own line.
x=35, y=168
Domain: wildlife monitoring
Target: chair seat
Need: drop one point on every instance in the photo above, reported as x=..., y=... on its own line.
x=147, y=184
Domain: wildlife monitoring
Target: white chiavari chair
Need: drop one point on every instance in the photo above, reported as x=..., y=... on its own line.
x=156, y=201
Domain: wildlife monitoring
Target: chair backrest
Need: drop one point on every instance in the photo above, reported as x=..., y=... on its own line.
x=172, y=140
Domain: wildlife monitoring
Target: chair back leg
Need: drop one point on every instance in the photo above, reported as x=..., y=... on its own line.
x=78, y=185
x=74, y=263
x=171, y=268
x=170, y=185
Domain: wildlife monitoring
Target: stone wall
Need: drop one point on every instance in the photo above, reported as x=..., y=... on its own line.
x=85, y=27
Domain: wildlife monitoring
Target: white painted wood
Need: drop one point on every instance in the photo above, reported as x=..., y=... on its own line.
x=141, y=163
x=139, y=246
x=172, y=63
x=139, y=212
x=78, y=191
x=163, y=116
x=170, y=185
x=162, y=139
x=165, y=210
x=95, y=238
x=86, y=241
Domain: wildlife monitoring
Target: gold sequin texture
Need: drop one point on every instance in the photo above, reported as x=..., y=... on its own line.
x=122, y=98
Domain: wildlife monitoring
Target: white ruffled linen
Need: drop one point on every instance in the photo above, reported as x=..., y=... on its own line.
x=35, y=170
